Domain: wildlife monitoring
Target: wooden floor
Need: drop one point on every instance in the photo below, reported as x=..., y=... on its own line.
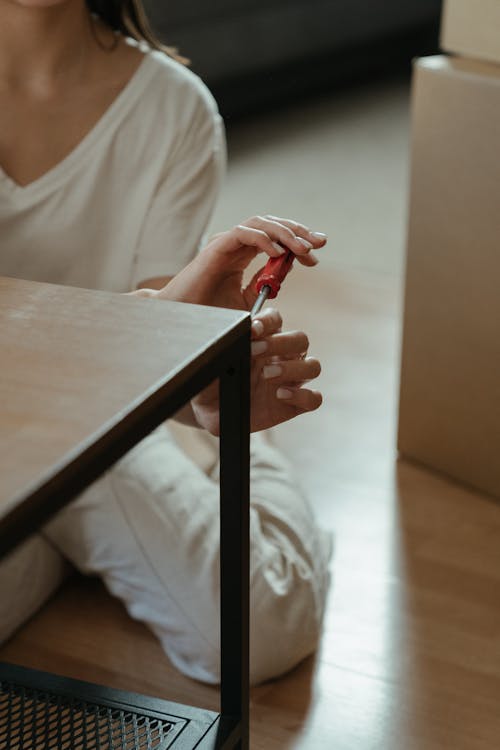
x=410, y=656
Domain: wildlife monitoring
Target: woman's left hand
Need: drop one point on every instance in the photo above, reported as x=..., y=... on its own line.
x=280, y=368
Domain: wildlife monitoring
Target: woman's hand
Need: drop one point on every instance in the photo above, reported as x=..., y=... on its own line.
x=215, y=276
x=280, y=367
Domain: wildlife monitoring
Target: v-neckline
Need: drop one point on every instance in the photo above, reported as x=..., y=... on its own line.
x=53, y=175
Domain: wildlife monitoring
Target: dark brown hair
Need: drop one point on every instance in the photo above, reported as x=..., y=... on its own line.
x=129, y=18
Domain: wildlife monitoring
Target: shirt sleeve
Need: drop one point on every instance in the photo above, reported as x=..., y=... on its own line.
x=184, y=199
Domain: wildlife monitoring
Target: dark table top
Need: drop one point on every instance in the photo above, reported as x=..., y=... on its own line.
x=78, y=365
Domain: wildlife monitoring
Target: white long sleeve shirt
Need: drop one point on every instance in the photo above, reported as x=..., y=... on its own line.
x=132, y=200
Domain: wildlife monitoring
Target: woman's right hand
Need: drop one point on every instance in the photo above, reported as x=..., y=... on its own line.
x=215, y=276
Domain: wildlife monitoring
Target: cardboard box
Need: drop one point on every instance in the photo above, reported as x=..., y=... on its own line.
x=450, y=379
x=472, y=28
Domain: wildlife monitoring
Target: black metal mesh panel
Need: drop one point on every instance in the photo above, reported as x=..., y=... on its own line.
x=36, y=720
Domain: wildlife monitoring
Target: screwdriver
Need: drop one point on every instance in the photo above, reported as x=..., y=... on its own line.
x=269, y=281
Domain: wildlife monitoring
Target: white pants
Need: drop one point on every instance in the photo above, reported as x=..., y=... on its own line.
x=150, y=528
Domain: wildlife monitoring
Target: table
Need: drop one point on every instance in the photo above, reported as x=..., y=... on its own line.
x=84, y=376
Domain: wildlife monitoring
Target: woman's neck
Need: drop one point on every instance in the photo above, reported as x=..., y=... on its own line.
x=45, y=49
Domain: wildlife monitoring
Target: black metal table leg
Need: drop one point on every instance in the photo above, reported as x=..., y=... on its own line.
x=234, y=539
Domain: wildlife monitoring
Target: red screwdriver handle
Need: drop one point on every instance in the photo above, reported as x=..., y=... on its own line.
x=274, y=273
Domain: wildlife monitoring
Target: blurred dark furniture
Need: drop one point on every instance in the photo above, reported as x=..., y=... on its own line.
x=249, y=51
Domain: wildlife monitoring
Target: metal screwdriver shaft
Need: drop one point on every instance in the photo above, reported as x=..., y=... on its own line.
x=263, y=295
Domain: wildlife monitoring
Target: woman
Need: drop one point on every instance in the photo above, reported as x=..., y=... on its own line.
x=111, y=155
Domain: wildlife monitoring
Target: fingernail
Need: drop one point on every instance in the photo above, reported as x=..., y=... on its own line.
x=304, y=242
x=258, y=347
x=319, y=235
x=257, y=327
x=313, y=258
x=283, y=393
x=279, y=248
x=271, y=371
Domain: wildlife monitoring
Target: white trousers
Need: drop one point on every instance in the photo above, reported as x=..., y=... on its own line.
x=150, y=528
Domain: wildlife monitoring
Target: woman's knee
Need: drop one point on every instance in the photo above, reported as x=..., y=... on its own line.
x=286, y=618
